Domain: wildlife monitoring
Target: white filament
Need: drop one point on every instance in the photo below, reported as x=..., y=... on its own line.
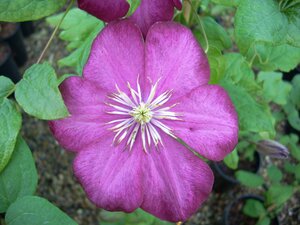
x=138, y=115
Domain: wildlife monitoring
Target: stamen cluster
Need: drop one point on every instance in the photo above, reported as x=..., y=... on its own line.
x=141, y=116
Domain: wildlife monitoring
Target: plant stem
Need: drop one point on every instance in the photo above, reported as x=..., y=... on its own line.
x=201, y=25
x=54, y=32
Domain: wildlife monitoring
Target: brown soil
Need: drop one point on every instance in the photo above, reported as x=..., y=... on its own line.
x=4, y=52
x=7, y=29
x=236, y=215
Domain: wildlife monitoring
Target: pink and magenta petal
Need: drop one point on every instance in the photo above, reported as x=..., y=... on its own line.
x=174, y=56
x=83, y=97
x=176, y=182
x=117, y=57
x=152, y=11
x=209, y=123
x=111, y=176
x=106, y=10
x=85, y=102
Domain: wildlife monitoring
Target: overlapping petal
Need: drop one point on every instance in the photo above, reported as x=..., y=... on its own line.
x=111, y=176
x=147, y=13
x=117, y=56
x=174, y=56
x=106, y=10
x=176, y=182
x=152, y=11
x=86, y=125
x=170, y=183
x=209, y=123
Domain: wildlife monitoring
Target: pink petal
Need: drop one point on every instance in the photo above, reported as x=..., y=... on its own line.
x=111, y=176
x=176, y=182
x=85, y=102
x=178, y=4
x=117, y=57
x=174, y=55
x=105, y=10
x=209, y=123
x=152, y=11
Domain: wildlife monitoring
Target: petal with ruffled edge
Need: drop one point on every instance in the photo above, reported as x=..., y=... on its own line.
x=111, y=176
x=152, y=11
x=176, y=182
x=105, y=10
x=117, y=57
x=209, y=123
x=174, y=55
x=86, y=125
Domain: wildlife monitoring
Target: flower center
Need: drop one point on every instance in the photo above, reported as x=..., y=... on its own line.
x=142, y=114
x=133, y=115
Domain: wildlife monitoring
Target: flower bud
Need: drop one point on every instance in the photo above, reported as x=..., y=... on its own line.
x=272, y=148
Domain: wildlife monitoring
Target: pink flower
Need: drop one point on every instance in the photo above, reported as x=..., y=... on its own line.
x=136, y=101
x=149, y=11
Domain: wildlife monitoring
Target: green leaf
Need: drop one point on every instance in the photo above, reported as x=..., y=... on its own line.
x=25, y=10
x=259, y=21
x=297, y=172
x=64, y=77
x=245, y=148
x=292, y=12
x=238, y=72
x=10, y=124
x=232, y=160
x=33, y=210
x=269, y=58
x=249, y=179
x=138, y=217
x=79, y=29
x=134, y=4
x=292, y=115
x=291, y=141
x=76, y=26
x=227, y=2
x=19, y=177
x=6, y=87
x=293, y=105
x=112, y=218
x=295, y=93
x=267, y=34
x=289, y=167
x=78, y=58
x=216, y=64
x=254, y=208
x=39, y=95
x=278, y=194
x=265, y=221
x=253, y=116
x=274, y=88
x=274, y=174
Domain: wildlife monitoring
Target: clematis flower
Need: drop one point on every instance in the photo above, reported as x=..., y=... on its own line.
x=149, y=11
x=135, y=104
